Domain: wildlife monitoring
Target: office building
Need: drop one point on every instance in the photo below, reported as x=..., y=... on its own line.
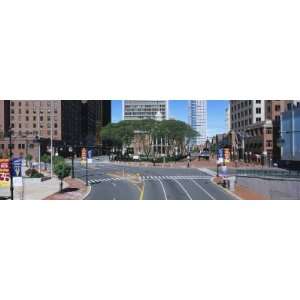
x=68, y=122
x=227, y=119
x=197, y=119
x=146, y=109
x=246, y=112
x=290, y=137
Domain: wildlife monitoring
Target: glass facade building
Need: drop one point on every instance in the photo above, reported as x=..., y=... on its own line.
x=197, y=118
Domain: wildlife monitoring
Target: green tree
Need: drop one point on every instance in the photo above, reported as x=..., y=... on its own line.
x=46, y=159
x=176, y=134
x=62, y=170
x=28, y=159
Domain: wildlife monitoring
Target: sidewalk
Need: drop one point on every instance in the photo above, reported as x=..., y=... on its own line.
x=243, y=192
x=74, y=189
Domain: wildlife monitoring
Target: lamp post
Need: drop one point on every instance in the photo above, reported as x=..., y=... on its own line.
x=86, y=171
x=72, y=157
x=11, y=166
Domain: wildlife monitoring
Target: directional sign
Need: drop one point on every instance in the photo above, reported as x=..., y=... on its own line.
x=221, y=153
x=17, y=172
x=4, y=173
x=17, y=167
x=90, y=156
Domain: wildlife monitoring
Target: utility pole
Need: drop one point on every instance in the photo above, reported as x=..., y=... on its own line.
x=51, y=143
x=39, y=136
x=11, y=166
x=86, y=170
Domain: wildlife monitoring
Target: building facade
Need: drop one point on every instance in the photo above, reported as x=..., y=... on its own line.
x=227, y=119
x=197, y=119
x=67, y=122
x=146, y=109
x=290, y=137
x=246, y=112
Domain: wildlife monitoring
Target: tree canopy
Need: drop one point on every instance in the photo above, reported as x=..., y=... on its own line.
x=121, y=134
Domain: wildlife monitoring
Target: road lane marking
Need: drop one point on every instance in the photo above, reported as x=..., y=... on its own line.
x=189, y=196
x=142, y=192
x=203, y=189
x=165, y=194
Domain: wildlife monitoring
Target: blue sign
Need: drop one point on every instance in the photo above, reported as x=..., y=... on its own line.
x=90, y=154
x=220, y=153
x=17, y=167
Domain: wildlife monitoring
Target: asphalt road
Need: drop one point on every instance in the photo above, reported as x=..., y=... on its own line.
x=116, y=182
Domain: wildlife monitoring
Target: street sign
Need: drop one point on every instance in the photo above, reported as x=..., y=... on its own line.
x=4, y=173
x=17, y=172
x=220, y=153
x=90, y=156
x=17, y=167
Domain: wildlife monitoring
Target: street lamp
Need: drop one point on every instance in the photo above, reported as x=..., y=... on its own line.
x=11, y=165
x=72, y=157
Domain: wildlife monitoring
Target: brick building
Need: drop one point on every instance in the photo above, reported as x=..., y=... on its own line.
x=69, y=122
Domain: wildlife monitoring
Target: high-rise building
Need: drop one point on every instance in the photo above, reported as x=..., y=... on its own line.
x=145, y=109
x=227, y=119
x=246, y=112
x=197, y=118
x=68, y=122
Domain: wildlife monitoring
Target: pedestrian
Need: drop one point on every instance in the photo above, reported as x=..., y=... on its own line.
x=189, y=161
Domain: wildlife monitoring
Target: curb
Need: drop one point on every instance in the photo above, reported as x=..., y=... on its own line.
x=226, y=190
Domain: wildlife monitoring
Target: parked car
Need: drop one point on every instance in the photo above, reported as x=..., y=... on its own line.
x=204, y=155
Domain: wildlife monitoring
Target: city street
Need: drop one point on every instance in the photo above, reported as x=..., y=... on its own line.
x=116, y=182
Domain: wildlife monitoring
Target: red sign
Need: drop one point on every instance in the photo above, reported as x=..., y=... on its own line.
x=4, y=173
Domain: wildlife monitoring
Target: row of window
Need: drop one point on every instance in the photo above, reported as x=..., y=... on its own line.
x=34, y=111
x=17, y=146
x=34, y=118
x=34, y=125
x=243, y=104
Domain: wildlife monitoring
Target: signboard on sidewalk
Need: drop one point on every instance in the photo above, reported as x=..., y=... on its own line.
x=220, y=156
x=226, y=155
x=90, y=156
x=17, y=172
x=4, y=173
x=83, y=155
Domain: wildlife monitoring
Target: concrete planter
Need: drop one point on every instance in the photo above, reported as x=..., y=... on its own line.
x=32, y=180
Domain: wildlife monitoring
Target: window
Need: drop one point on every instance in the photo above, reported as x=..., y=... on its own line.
x=55, y=125
x=20, y=111
x=27, y=111
x=20, y=125
x=277, y=107
x=258, y=110
x=41, y=118
x=258, y=101
x=34, y=118
x=269, y=143
x=269, y=131
x=12, y=125
x=258, y=119
x=277, y=119
x=34, y=125
x=27, y=118
x=20, y=104
x=12, y=111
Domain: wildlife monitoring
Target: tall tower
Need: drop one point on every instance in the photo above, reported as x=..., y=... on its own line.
x=197, y=118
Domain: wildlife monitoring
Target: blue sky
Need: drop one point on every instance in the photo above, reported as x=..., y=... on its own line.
x=178, y=110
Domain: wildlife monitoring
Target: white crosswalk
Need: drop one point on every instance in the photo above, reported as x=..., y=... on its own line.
x=148, y=178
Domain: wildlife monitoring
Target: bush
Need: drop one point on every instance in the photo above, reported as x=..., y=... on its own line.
x=33, y=173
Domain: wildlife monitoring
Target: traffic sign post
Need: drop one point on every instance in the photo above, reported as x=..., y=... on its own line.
x=17, y=172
